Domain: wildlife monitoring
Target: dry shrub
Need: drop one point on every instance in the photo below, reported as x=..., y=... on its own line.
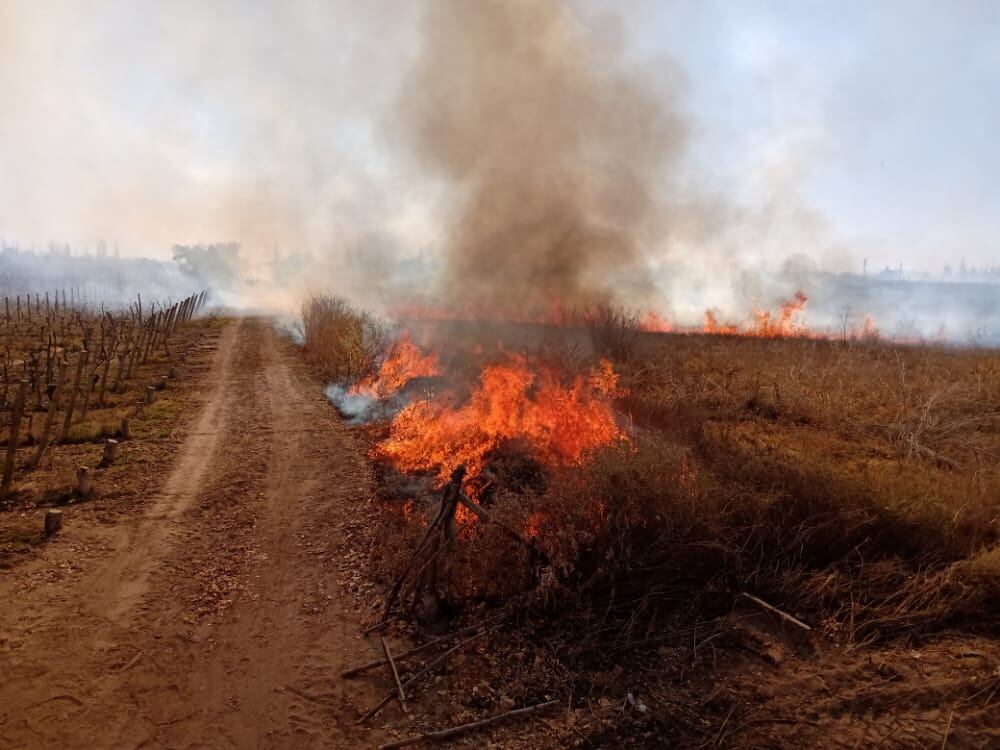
x=855, y=486
x=613, y=330
x=655, y=531
x=343, y=341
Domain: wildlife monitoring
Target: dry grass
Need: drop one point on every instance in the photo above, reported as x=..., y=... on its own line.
x=342, y=341
x=854, y=484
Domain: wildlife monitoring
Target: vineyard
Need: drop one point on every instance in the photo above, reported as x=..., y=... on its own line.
x=74, y=380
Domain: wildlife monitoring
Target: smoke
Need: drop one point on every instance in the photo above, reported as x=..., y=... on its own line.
x=149, y=124
x=504, y=154
x=93, y=281
x=554, y=153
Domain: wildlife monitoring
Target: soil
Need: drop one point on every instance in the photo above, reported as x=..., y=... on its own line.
x=209, y=613
x=213, y=588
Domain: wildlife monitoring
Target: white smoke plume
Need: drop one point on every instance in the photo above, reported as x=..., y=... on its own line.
x=520, y=149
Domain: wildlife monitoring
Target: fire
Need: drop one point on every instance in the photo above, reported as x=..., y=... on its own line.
x=785, y=325
x=783, y=322
x=765, y=324
x=512, y=401
x=653, y=322
x=712, y=326
x=604, y=380
x=405, y=361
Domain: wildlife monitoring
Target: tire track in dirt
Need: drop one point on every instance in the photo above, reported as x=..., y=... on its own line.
x=124, y=581
x=215, y=620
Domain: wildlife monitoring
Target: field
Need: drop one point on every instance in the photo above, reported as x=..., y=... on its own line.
x=852, y=486
x=679, y=539
x=76, y=382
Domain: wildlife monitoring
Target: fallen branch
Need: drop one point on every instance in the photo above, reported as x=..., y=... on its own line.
x=419, y=649
x=775, y=611
x=400, y=693
x=430, y=665
x=445, y=734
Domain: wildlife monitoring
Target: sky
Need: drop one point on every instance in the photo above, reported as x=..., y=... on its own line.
x=882, y=114
x=831, y=132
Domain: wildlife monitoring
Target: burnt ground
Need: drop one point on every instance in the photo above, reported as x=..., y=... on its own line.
x=213, y=598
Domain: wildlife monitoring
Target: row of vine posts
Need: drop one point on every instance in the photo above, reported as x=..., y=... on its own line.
x=58, y=361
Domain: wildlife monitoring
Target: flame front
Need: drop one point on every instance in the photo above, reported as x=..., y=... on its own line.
x=404, y=362
x=513, y=401
x=765, y=324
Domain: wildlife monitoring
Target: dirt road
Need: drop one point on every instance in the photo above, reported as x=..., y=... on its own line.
x=212, y=618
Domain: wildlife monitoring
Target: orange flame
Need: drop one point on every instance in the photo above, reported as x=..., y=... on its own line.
x=765, y=324
x=653, y=322
x=782, y=323
x=404, y=362
x=785, y=324
x=513, y=401
x=712, y=326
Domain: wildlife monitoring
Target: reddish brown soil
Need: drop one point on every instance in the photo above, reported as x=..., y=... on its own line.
x=213, y=589
x=209, y=615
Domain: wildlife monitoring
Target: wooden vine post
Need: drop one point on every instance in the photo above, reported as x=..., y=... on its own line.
x=81, y=365
x=15, y=429
x=436, y=539
x=50, y=416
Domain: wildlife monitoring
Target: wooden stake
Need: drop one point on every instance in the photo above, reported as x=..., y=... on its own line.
x=53, y=521
x=109, y=353
x=123, y=363
x=83, y=481
x=110, y=453
x=81, y=364
x=425, y=542
x=50, y=416
x=90, y=382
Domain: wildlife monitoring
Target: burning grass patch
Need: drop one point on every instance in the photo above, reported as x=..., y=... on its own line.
x=739, y=474
x=853, y=485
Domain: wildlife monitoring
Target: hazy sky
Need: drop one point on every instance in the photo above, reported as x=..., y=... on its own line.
x=846, y=129
x=883, y=113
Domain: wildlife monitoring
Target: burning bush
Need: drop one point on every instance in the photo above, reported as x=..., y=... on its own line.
x=682, y=516
x=514, y=401
x=403, y=362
